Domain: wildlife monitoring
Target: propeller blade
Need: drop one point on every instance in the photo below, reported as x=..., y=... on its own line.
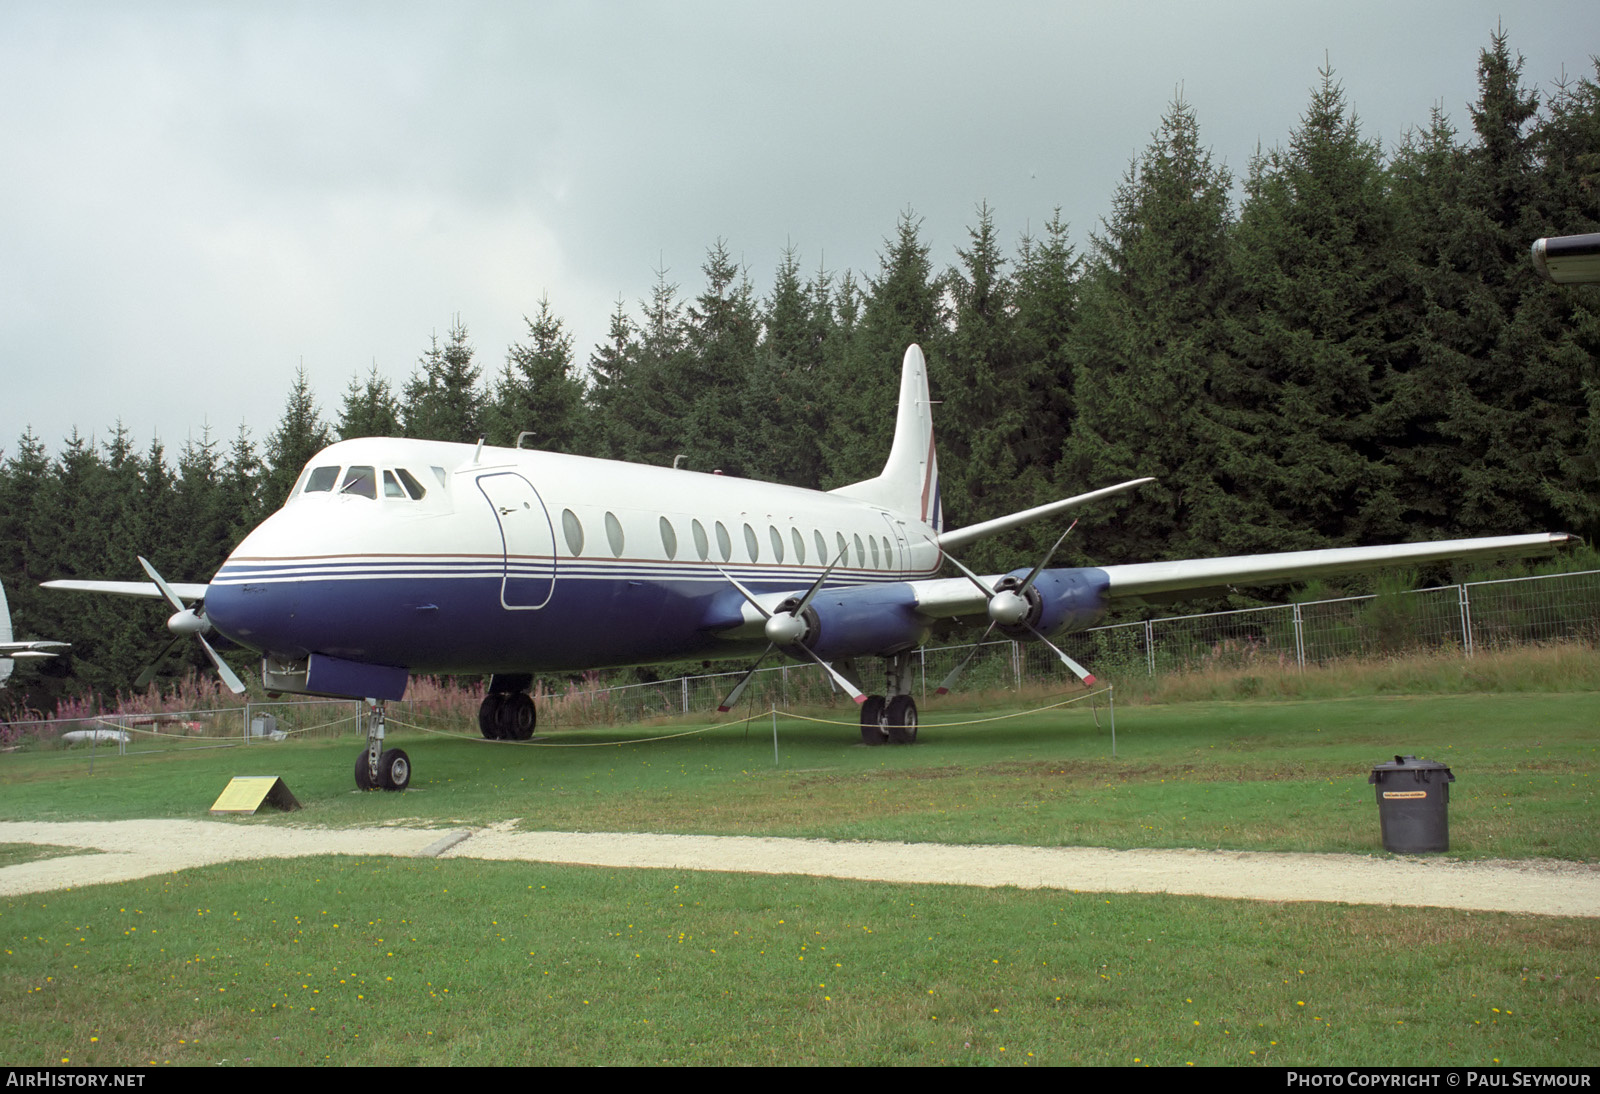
x=748, y=595
x=229, y=677
x=805, y=601
x=1045, y=561
x=970, y=576
x=955, y=673
x=738, y=689
x=150, y=670
x=1078, y=670
x=171, y=597
x=839, y=678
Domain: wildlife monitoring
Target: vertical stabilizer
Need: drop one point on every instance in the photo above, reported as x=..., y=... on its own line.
x=909, y=484
x=6, y=664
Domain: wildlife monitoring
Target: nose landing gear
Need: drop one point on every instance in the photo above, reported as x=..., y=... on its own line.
x=378, y=768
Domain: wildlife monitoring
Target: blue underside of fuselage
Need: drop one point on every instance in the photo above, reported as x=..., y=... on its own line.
x=459, y=625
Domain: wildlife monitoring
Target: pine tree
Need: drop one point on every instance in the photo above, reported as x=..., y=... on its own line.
x=1313, y=335
x=901, y=306
x=986, y=411
x=1146, y=349
x=783, y=409
x=708, y=382
x=370, y=408
x=539, y=392
x=442, y=399
x=1498, y=370
x=300, y=435
x=612, y=368
x=1048, y=270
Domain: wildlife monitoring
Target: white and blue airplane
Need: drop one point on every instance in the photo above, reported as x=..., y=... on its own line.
x=393, y=557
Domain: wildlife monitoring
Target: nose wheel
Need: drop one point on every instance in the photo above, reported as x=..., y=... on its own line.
x=378, y=768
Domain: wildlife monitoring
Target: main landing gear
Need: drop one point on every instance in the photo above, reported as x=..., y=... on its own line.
x=507, y=713
x=378, y=768
x=892, y=719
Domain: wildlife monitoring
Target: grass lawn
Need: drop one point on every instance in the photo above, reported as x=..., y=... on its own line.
x=382, y=961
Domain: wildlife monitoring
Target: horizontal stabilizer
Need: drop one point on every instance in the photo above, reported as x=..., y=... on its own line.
x=186, y=590
x=22, y=650
x=974, y=532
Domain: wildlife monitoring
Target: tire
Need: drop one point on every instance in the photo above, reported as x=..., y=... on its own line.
x=517, y=717
x=901, y=720
x=489, y=715
x=872, y=732
x=363, y=776
x=394, y=770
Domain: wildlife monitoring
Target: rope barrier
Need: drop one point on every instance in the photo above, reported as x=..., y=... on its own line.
x=769, y=712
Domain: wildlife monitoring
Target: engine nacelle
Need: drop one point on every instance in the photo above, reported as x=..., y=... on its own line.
x=1059, y=600
x=862, y=620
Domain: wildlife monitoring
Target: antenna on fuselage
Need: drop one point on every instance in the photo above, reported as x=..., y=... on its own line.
x=525, y=433
x=476, y=452
x=678, y=459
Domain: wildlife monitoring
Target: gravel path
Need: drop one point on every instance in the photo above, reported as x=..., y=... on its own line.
x=134, y=849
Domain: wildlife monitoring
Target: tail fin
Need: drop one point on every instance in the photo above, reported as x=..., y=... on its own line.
x=6, y=664
x=909, y=484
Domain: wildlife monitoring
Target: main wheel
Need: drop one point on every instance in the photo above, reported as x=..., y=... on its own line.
x=517, y=717
x=394, y=770
x=363, y=773
x=872, y=731
x=901, y=720
x=489, y=715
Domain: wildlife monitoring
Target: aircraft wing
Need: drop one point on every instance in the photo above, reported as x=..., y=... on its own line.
x=187, y=590
x=1145, y=579
x=953, y=598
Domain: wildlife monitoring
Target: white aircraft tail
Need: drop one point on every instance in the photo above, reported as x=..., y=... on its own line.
x=6, y=664
x=909, y=483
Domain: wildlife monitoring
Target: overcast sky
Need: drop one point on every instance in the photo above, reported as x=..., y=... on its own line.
x=197, y=198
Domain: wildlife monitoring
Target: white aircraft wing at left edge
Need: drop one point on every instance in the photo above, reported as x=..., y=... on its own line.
x=393, y=557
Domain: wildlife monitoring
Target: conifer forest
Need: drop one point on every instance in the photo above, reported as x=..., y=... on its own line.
x=1349, y=345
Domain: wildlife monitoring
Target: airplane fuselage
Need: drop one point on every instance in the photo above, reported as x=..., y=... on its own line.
x=438, y=558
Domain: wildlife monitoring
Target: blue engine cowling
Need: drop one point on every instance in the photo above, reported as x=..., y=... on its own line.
x=1060, y=600
x=861, y=620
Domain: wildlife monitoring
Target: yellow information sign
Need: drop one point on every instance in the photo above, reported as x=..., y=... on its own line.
x=247, y=793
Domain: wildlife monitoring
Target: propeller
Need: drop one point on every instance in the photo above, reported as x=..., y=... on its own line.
x=787, y=628
x=1009, y=607
x=184, y=623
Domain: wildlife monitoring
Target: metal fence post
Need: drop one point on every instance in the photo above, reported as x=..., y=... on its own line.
x=1150, y=647
x=1466, y=619
x=1299, y=640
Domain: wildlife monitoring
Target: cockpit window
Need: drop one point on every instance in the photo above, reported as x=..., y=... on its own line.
x=321, y=480
x=391, y=486
x=413, y=487
x=360, y=480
